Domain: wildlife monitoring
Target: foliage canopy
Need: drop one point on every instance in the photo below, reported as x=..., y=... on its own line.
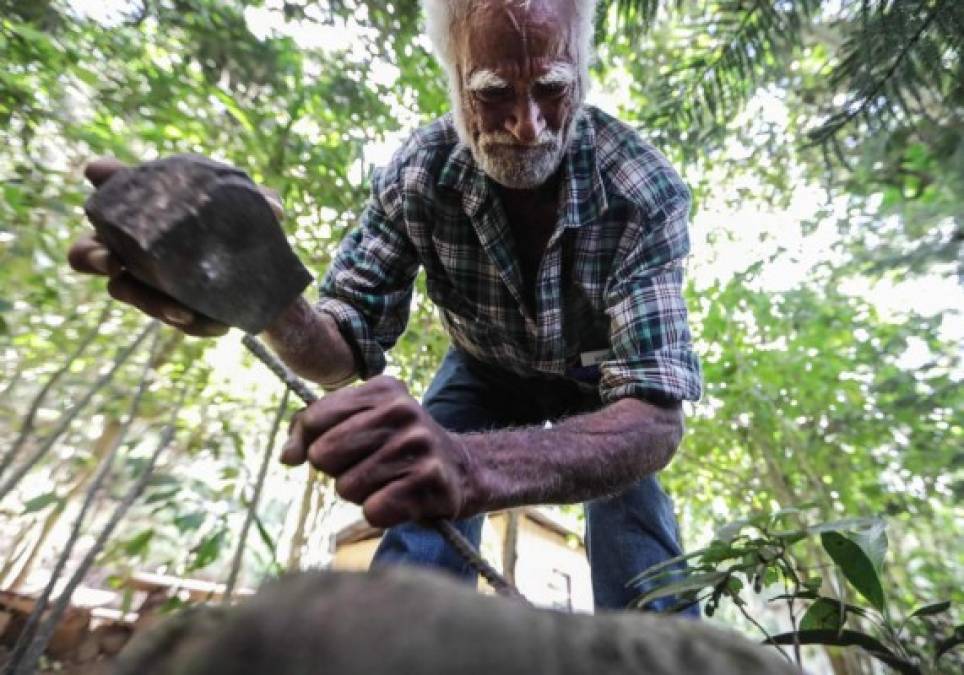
x=814, y=393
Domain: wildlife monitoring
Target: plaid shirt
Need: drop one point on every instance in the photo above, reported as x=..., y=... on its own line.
x=609, y=285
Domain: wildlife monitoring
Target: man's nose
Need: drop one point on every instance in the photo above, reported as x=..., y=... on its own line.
x=526, y=122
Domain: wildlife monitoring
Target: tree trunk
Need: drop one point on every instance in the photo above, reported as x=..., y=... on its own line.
x=28, y=421
x=26, y=642
x=108, y=439
x=20, y=547
x=298, y=538
x=255, y=498
x=67, y=418
x=510, y=545
x=12, y=383
x=24, y=658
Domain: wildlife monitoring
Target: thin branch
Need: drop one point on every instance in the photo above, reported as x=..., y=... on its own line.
x=790, y=600
x=68, y=417
x=46, y=631
x=103, y=470
x=759, y=627
x=102, y=446
x=292, y=381
x=447, y=530
x=298, y=536
x=38, y=400
x=12, y=382
x=255, y=498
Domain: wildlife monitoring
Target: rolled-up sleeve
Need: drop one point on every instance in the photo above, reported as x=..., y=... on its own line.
x=368, y=287
x=651, y=344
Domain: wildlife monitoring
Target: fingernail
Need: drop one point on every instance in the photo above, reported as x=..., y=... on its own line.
x=287, y=453
x=98, y=260
x=181, y=317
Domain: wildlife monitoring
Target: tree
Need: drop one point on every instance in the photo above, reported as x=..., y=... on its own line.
x=811, y=392
x=874, y=91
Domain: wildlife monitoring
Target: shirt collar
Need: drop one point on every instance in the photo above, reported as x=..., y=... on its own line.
x=584, y=195
x=461, y=173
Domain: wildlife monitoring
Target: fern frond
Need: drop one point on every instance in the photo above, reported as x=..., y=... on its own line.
x=899, y=61
x=720, y=54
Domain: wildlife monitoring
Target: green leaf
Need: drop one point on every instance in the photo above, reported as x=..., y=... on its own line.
x=694, y=582
x=808, y=595
x=266, y=538
x=930, y=610
x=162, y=479
x=957, y=638
x=661, y=567
x=236, y=111
x=719, y=551
x=209, y=550
x=790, y=536
x=873, y=530
x=172, y=604
x=728, y=532
x=856, y=565
x=824, y=614
x=847, y=638
x=39, y=503
x=138, y=544
x=162, y=496
x=872, y=540
x=191, y=521
x=127, y=600
x=32, y=35
x=792, y=511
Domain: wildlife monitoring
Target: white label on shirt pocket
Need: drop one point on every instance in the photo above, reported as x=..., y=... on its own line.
x=593, y=358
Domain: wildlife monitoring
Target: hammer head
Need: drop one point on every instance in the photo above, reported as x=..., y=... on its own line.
x=203, y=233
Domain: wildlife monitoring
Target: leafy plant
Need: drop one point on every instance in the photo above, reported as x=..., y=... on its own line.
x=761, y=551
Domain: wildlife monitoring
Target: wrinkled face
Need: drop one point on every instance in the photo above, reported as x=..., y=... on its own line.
x=518, y=88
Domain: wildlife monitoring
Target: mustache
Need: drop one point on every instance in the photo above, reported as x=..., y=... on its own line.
x=545, y=138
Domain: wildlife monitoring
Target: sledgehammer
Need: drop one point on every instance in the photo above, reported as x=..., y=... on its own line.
x=203, y=233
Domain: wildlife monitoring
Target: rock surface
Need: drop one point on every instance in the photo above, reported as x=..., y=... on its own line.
x=398, y=621
x=204, y=234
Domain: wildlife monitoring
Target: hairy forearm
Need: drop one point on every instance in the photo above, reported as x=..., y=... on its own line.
x=581, y=458
x=310, y=343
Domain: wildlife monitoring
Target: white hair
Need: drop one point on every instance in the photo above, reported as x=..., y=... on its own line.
x=443, y=16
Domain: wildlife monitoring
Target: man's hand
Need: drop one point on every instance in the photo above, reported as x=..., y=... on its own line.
x=385, y=452
x=90, y=256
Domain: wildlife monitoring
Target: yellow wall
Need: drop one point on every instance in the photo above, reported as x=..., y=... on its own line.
x=355, y=556
x=545, y=559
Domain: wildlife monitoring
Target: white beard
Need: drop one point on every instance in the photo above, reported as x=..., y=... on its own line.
x=518, y=166
x=507, y=162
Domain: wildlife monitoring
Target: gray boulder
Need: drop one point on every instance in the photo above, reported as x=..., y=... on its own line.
x=397, y=621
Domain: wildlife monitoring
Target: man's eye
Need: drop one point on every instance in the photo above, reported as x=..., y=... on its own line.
x=493, y=94
x=549, y=89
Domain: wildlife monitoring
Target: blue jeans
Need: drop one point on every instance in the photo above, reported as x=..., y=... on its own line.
x=625, y=534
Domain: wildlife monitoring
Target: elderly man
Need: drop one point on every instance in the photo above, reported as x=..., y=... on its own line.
x=552, y=238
